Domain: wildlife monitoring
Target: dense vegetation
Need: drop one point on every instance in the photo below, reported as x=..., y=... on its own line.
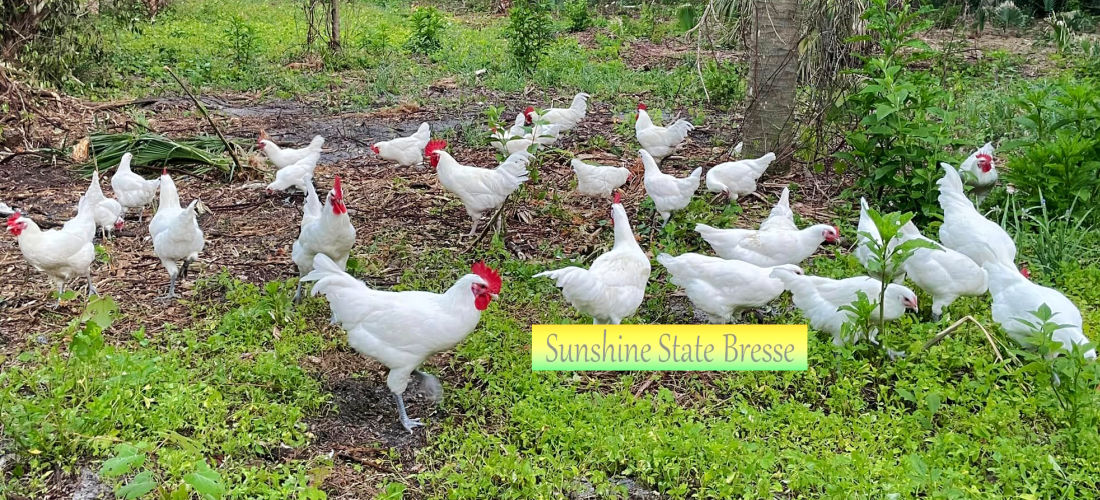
x=207, y=408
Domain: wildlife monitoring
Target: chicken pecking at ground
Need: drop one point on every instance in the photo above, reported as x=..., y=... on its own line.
x=598, y=180
x=132, y=190
x=285, y=157
x=777, y=242
x=325, y=230
x=667, y=192
x=614, y=286
x=176, y=234
x=295, y=175
x=965, y=230
x=61, y=253
x=480, y=189
x=107, y=212
x=942, y=272
x=401, y=329
x=866, y=227
x=405, y=151
x=721, y=288
x=1015, y=298
x=737, y=178
x=820, y=300
x=660, y=142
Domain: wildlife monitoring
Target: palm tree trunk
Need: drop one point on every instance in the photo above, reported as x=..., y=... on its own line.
x=773, y=42
x=334, y=25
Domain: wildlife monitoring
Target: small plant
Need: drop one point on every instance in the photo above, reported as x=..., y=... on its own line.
x=1008, y=16
x=241, y=41
x=427, y=26
x=1071, y=376
x=577, y=13
x=529, y=33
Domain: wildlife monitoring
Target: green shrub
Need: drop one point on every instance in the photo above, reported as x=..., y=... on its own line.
x=577, y=13
x=427, y=25
x=241, y=41
x=725, y=82
x=529, y=33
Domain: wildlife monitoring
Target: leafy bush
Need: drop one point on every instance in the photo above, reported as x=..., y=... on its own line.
x=725, y=82
x=577, y=13
x=1007, y=16
x=240, y=39
x=54, y=40
x=427, y=25
x=529, y=33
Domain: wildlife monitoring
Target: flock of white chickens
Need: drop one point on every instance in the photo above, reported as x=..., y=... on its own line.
x=753, y=266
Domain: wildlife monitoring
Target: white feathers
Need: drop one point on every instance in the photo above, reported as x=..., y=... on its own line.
x=668, y=193
x=737, y=178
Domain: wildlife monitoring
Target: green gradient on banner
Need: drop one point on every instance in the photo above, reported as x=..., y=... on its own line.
x=669, y=347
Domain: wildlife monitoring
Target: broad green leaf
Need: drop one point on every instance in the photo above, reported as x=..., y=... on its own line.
x=138, y=487
x=126, y=459
x=206, y=481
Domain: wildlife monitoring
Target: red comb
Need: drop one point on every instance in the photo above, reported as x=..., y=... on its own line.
x=641, y=106
x=1025, y=271
x=491, y=277
x=529, y=110
x=13, y=217
x=618, y=198
x=336, y=187
x=164, y=171
x=983, y=156
x=434, y=145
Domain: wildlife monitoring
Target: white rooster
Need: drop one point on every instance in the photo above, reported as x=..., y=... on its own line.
x=965, y=230
x=1015, y=298
x=659, y=141
x=401, y=329
x=285, y=157
x=480, y=189
x=176, y=234
x=614, y=286
x=737, y=178
x=722, y=288
x=107, y=212
x=62, y=253
x=980, y=172
x=777, y=242
x=405, y=151
x=820, y=300
x=132, y=190
x=668, y=193
x=598, y=180
x=325, y=230
x=942, y=272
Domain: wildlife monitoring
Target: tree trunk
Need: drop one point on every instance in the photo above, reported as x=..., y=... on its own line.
x=773, y=42
x=334, y=26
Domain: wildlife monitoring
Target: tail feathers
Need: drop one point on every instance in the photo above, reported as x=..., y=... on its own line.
x=863, y=207
x=680, y=129
x=705, y=230
x=695, y=174
x=950, y=182
x=424, y=132
x=330, y=277
x=316, y=143
x=516, y=165
x=760, y=165
x=786, y=275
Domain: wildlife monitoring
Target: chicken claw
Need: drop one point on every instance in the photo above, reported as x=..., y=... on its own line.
x=406, y=422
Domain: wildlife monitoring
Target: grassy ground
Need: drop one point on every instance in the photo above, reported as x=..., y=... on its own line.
x=234, y=392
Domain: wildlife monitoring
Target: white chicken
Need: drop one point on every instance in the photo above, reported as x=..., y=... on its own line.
x=295, y=175
x=737, y=178
x=132, y=190
x=659, y=141
x=62, y=253
x=285, y=157
x=107, y=212
x=668, y=193
x=480, y=189
x=614, y=286
x=563, y=118
x=598, y=180
x=863, y=251
x=777, y=242
x=405, y=151
x=965, y=230
x=942, y=272
x=1015, y=298
x=401, y=329
x=176, y=234
x=722, y=288
x=980, y=172
x=820, y=300
x=511, y=140
x=325, y=230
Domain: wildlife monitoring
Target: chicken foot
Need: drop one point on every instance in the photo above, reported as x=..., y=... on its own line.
x=406, y=422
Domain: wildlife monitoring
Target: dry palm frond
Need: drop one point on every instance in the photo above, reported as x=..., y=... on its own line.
x=202, y=154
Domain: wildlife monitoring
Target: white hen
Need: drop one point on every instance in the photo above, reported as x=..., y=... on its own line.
x=1015, y=298
x=659, y=141
x=285, y=157
x=737, y=178
x=667, y=192
x=598, y=180
x=405, y=151
x=401, y=329
x=965, y=230
x=863, y=250
x=132, y=190
x=942, y=272
x=480, y=189
x=325, y=230
x=295, y=175
x=722, y=288
x=566, y=118
x=62, y=253
x=176, y=234
x=820, y=300
x=107, y=212
x=614, y=286
x=980, y=172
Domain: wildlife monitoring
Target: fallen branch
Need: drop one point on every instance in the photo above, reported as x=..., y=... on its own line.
x=489, y=226
x=955, y=326
x=217, y=130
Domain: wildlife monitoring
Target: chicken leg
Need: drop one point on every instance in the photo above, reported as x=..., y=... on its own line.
x=406, y=422
x=473, y=229
x=91, y=286
x=60, y=290
x=173, y=273
x=298, y=292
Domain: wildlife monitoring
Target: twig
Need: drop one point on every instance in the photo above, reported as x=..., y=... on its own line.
x=645, y=385
x=954, y=326
x=202, y=109
x=489, y=226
